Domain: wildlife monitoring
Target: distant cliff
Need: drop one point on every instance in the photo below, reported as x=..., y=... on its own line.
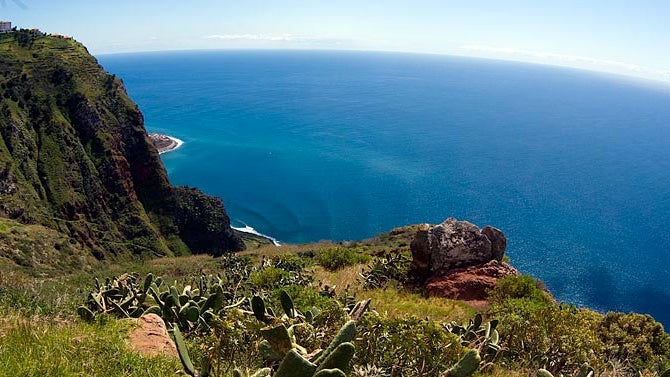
x=75, y=157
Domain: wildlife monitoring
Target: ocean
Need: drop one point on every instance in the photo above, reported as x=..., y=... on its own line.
x=573, y=166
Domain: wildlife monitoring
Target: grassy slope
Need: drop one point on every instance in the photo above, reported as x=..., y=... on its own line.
x=40, y=308
x=41, y=311
x=39, y=250
x=46, y=346
x=60, y=182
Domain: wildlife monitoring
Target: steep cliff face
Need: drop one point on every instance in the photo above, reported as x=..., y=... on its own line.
x=75, y=157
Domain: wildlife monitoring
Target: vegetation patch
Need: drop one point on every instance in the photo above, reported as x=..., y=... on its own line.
x=398, y=303
x=43, y=347
x=5, y=225
x=339, y=257
x=227, y=308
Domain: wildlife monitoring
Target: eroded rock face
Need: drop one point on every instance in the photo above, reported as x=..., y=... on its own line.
x=151, y=337
x=75, y=157
x=454, y=244
x=498, y=241
x=469, y=283
x=457, y=260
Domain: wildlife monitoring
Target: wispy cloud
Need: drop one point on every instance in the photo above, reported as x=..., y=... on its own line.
x=570, y=60
x=19, y=3
x=285, y=40
x=258, y=37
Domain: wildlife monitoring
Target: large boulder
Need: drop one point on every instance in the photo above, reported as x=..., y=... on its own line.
x=454, y=244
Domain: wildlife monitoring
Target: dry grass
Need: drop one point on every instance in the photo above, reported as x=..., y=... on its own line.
x=343, y=278
x=271, y=250
x=499, y=372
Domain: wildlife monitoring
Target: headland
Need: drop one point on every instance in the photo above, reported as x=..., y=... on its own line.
x=165, y=143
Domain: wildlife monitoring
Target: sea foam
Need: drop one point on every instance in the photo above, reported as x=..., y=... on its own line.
x=179, y=143
x=247, y=229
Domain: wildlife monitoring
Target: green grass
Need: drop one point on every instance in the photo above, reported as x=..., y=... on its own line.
x=340, y=257
x=400, y=304
x=45, y=347
x=6, y=225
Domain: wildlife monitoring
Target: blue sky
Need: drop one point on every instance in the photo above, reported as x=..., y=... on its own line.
x=629, y=37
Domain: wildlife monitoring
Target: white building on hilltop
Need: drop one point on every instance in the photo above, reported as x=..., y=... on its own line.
x=5, y=26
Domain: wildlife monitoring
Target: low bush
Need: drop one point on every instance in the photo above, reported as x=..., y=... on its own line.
x=557, y=338
x=340, y=257
x=520, y=287
x=231, y=343
x=289, y=262
x=304, y=298
x=268, y=277
x=406, y=347
x=635, y=339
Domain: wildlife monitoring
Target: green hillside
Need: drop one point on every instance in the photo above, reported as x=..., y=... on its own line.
x=75, y=158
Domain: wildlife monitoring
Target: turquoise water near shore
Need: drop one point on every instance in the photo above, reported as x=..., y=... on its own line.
x=573, y=166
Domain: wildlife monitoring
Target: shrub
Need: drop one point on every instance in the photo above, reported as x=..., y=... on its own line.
x=407, y=346
x=231, y=343
x=340, y=257
x=557, y=338
x=637, y=339
x=520, y=287
x=268, y=277
x=288, y=262
x=294, y=266
x=325, y=326
x=304, y=298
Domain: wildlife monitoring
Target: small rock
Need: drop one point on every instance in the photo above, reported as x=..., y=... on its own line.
x=151, y=337
x=498, y=241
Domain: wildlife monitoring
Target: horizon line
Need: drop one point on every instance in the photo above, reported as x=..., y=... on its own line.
x=648, y=78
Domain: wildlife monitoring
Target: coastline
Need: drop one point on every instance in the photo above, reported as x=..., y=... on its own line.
x=165, y=143
x=249, y=230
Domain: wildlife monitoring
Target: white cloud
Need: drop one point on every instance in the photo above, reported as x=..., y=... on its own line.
x=570, y=60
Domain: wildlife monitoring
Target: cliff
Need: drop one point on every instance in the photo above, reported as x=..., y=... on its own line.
x=75, y=157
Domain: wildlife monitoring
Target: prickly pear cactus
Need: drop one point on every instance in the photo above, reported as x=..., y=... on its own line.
x=278, y=337
x=295, y=365
x=183, y=351
x=340, y=358
x=330, y=373
x=287, y=304
x=258, y=307
x=466, y=366
x=346, y=334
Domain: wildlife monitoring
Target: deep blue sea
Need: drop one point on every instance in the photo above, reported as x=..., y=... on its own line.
x=573, y=166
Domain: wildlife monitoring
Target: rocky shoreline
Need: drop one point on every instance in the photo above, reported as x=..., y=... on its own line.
x=165, y=143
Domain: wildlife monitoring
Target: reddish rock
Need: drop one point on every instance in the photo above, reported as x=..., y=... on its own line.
x=151, y=337
x=454, y=244
x=469, y=283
